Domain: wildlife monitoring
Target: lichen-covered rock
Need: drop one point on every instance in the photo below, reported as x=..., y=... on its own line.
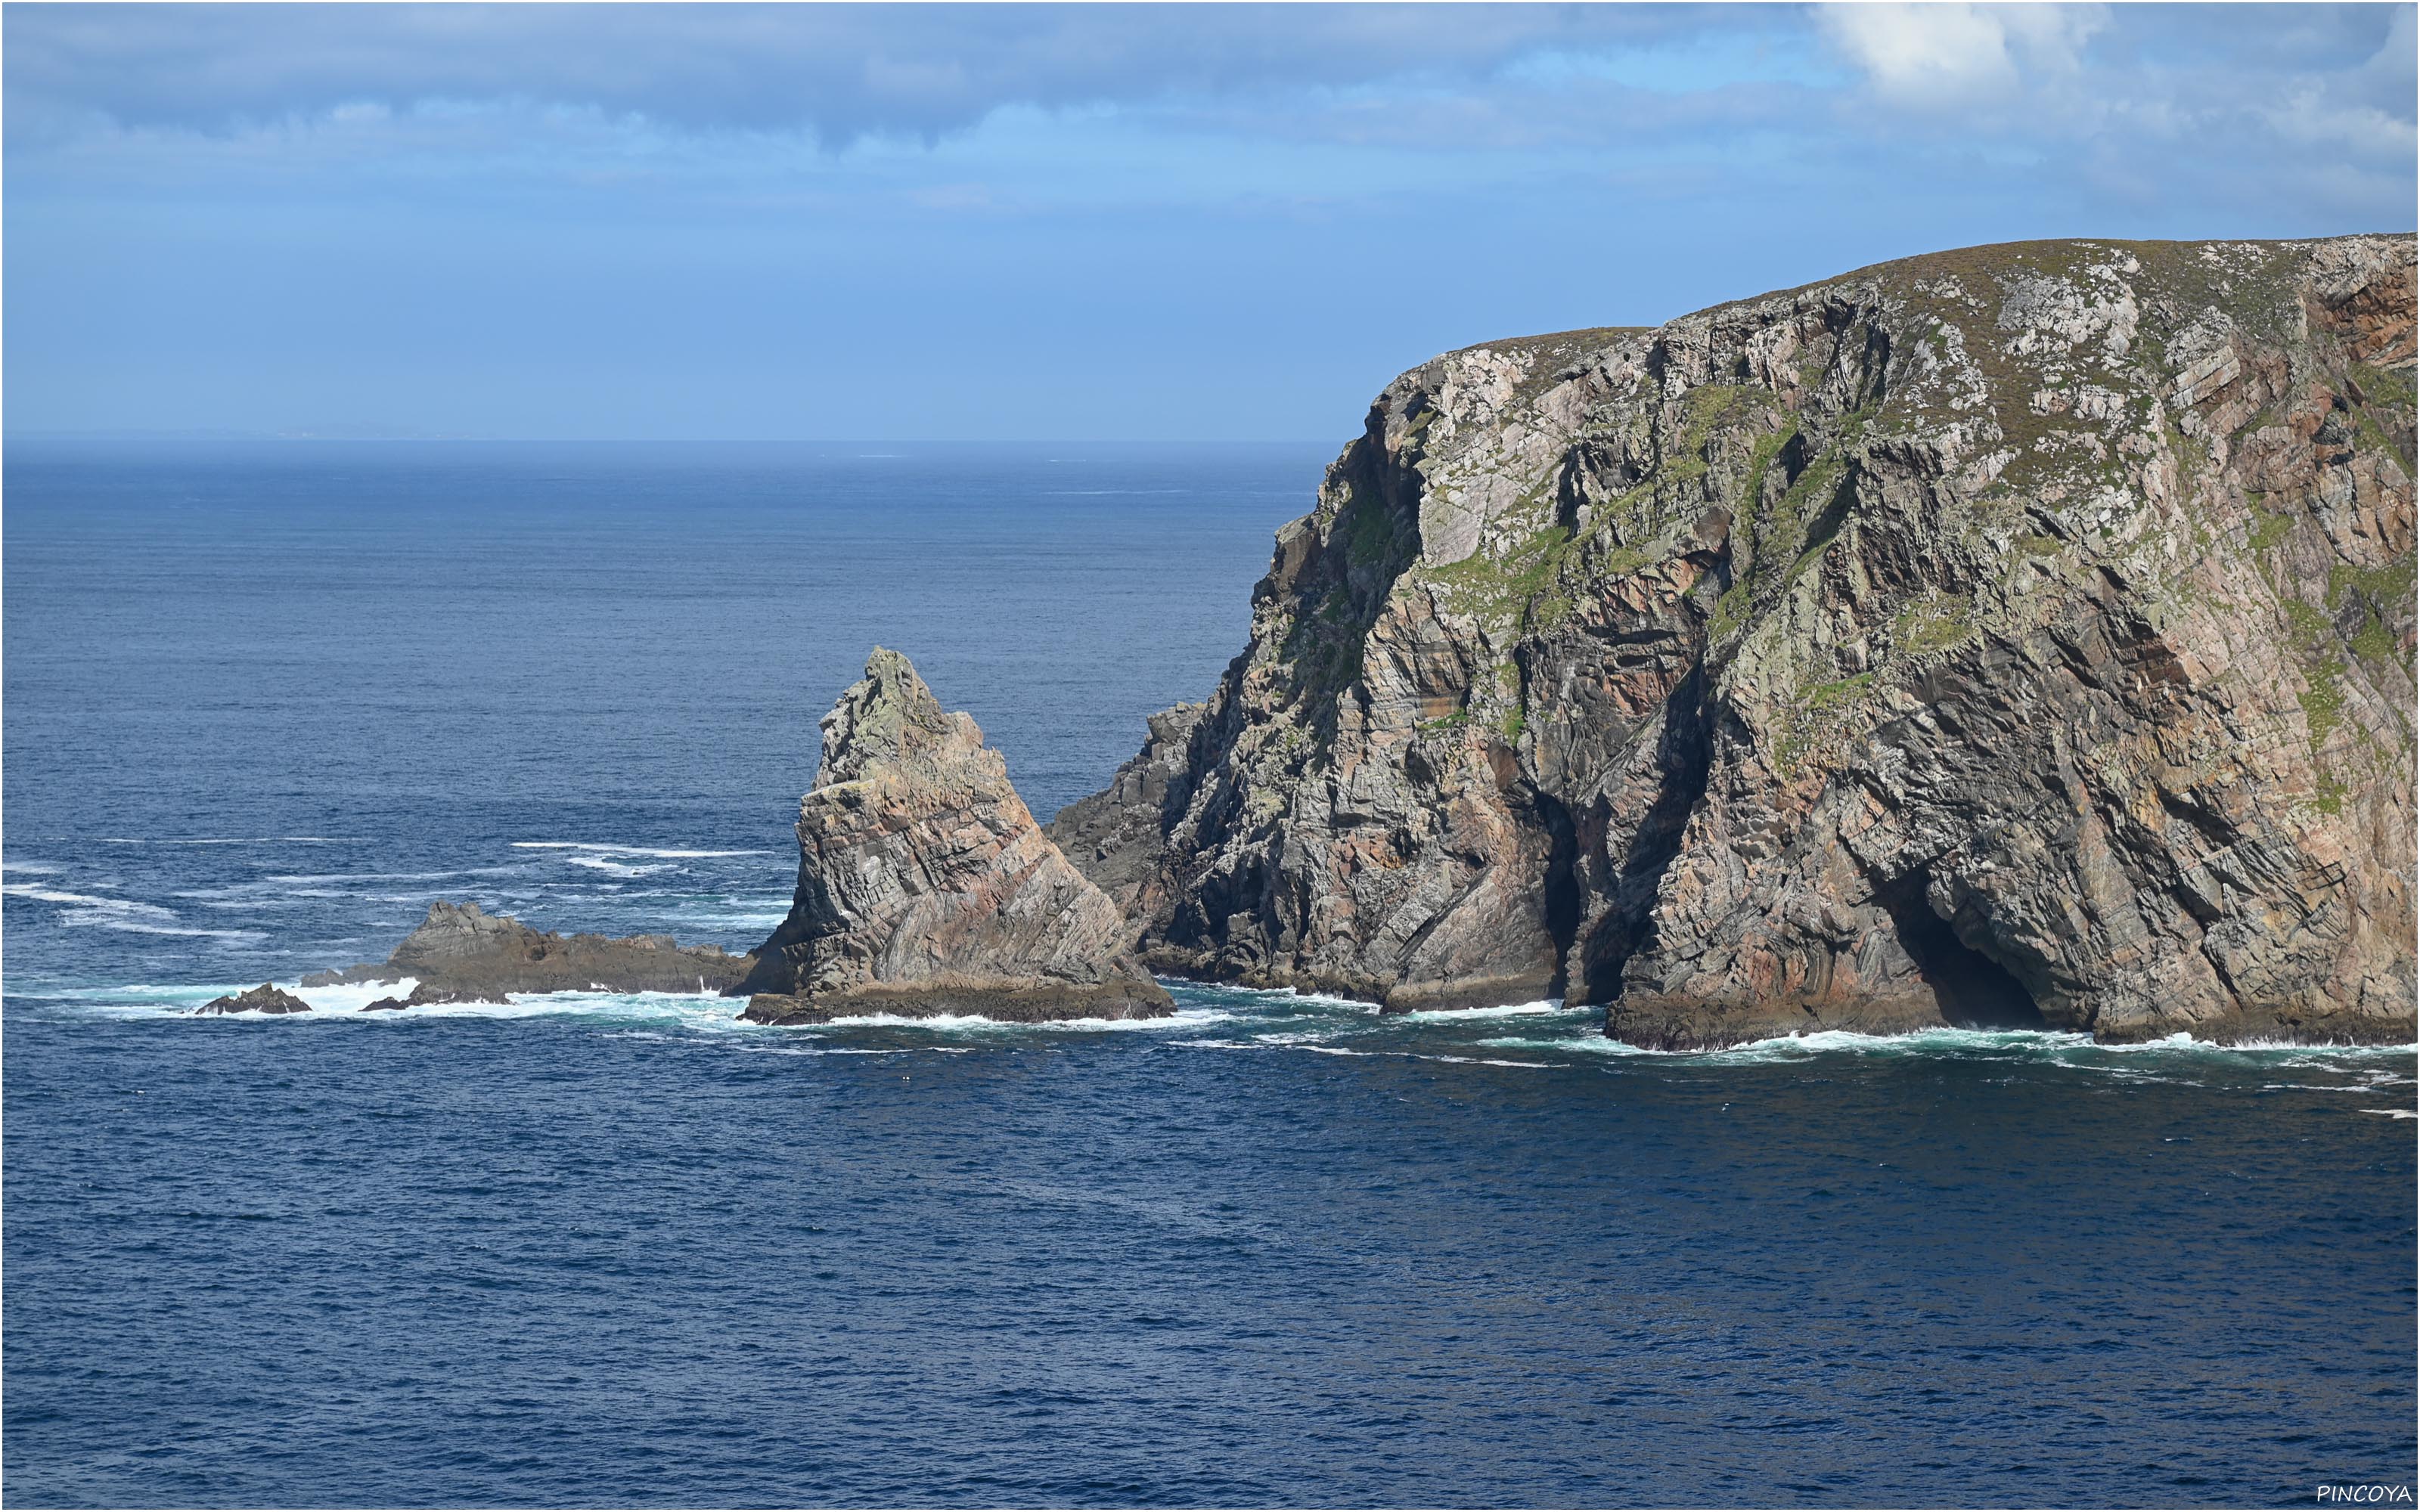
x=926, y=888
x=461, y=953
x=2021, y=635
x=265, y=998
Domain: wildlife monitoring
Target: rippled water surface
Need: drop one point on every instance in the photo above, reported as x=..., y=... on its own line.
x=263, y=706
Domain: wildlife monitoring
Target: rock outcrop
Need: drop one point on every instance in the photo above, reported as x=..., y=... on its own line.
x=265, y=998
x=426, y=995
x=462, y=954
x=926, y=888
x=2015, y=636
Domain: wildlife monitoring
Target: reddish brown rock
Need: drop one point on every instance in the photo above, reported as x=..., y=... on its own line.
x=2016, y=636
x=926, y=888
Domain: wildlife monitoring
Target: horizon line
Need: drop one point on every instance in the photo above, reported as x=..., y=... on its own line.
x=288, y=438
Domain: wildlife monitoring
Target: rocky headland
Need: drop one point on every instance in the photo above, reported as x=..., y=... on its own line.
x=461, y=954
x=926, y=888
x=2017, y=636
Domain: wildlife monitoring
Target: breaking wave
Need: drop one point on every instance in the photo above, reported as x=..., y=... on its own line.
x=625, y=850
x=1546, y=1036
x=91, y=911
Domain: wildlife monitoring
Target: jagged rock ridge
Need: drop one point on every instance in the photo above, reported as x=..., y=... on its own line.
x=265, y=998
x=926, y=887
x=2020, y=635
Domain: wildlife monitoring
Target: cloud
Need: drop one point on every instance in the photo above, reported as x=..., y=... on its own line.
x=741, y=218
x=842, y=71
x=1945, y=56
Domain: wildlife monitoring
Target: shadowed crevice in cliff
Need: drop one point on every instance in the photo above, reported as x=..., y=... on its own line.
x=1975, y=991
x=1684, y=756
x=1334, y=584
x=1562, y=890
x=1835, y=513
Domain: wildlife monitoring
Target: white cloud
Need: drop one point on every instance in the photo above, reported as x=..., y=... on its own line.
x=1939, y=57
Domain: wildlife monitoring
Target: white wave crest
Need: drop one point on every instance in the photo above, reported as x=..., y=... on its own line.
x=1310, y=1044
x=2065, y=1047
x=86, y=911
x=1184, y=1018
x=1586, y=1044
x=351, y=997
x=624, y=850
x=1543, y=1007
x=83, y=900
x=617, y=869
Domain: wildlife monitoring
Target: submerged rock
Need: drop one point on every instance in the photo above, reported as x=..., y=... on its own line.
x=475, y=956
x=926, y=888
x=2018, y=636
x=265, y=998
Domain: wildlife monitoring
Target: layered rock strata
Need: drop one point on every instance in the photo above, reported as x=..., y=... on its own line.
x=926, y=888
x=460, y=953
x=2018, y=636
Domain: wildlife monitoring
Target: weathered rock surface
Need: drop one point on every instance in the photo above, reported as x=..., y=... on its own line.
x=265, y=998
x=2021, y=635
x=926, y=888
x=1113, y=836
x=462, y=954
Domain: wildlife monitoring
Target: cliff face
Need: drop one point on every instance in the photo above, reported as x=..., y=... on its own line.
x=926, y=887
x=2015, y=636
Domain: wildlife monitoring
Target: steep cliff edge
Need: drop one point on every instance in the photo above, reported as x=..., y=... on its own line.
x=925, y=886
x=2021, y=635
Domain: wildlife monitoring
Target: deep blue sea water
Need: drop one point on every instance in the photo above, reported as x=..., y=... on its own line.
x=264, y=702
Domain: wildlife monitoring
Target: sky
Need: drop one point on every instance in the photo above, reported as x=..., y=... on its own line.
x=1098, y=221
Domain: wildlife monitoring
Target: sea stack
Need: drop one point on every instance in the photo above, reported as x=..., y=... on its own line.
x=926, y=888
x=2015, y=637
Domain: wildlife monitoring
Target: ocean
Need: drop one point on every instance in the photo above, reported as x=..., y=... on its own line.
x=265, y=702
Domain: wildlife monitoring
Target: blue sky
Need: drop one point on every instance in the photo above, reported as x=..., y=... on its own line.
x=1094, y=221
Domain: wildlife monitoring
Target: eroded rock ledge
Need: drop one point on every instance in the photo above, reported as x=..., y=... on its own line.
x=462, y=954
x=926, y=888
x=2015, y=636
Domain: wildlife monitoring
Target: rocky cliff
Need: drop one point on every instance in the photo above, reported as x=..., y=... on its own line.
x=2018, y=636
x=925, y=886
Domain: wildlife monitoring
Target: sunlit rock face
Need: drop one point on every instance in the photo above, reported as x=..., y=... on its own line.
x=926, y=888
x=2015, y=636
